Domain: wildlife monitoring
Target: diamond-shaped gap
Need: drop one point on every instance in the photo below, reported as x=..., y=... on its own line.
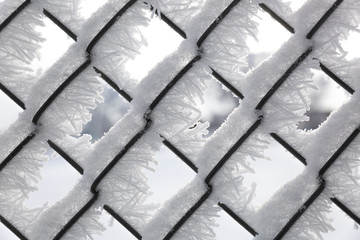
x=107, y=113
x=6, y=234
x=58, y=178
x=330, y=96
x=282, y=162
x=114, y=230
x=161, y=42
x=10, y=111
x=271, y=35
x=170, y=175
x=218, y=103
x=345, y=227
x=56, y=43
x=229, y=229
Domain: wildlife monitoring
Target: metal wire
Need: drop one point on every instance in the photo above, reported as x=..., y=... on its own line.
x=14, y=14
x=180, y=155
x=227, y=84
x=65, y=156
x=323, y=19
x=108, y=26
x=216, y=22
x=113, y=85
x=122, y=221
x=277, y=17
x=336, y=79
x=12, y=228
x=17, y=150
x=289, y=148
x=95, y=189
x=283, y=78
x=345, y=209
x=238, y=219
x=60, y=24
x=57, y=92
x=12, y=96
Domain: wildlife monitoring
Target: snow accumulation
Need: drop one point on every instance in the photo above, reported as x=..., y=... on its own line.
x=116, y=166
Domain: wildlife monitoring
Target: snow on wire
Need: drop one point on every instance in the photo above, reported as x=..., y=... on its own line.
x=274, y=98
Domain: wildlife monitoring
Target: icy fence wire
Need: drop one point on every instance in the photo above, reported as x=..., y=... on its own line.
x=274, y=97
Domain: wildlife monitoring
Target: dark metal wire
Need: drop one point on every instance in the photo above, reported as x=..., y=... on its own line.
x=238, y=219
x=57, y=92
x=173, y=82
x=65, y=156
x=346, y=210
x=189, y=213
x=108, y=26
x=113, y=84
x=226, y=84
x=178, y=153
x=12, y=228
x=300, y=212
x=217, y=21
x=339, y=151
x=336, y=79
x=14, y=14
x=118, y=157
x=323, y=19
x=232, y=150
x=122, y=222
x=17, y=149
x=148, y=121
x=168, y=22
x=3, y=25
x=60, y=24
x=277, y=17
x=289, y=148
x=283, y=78
x=77, y=216
x=12, y=96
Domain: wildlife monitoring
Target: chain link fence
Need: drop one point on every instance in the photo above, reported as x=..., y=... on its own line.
x=274, y=97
